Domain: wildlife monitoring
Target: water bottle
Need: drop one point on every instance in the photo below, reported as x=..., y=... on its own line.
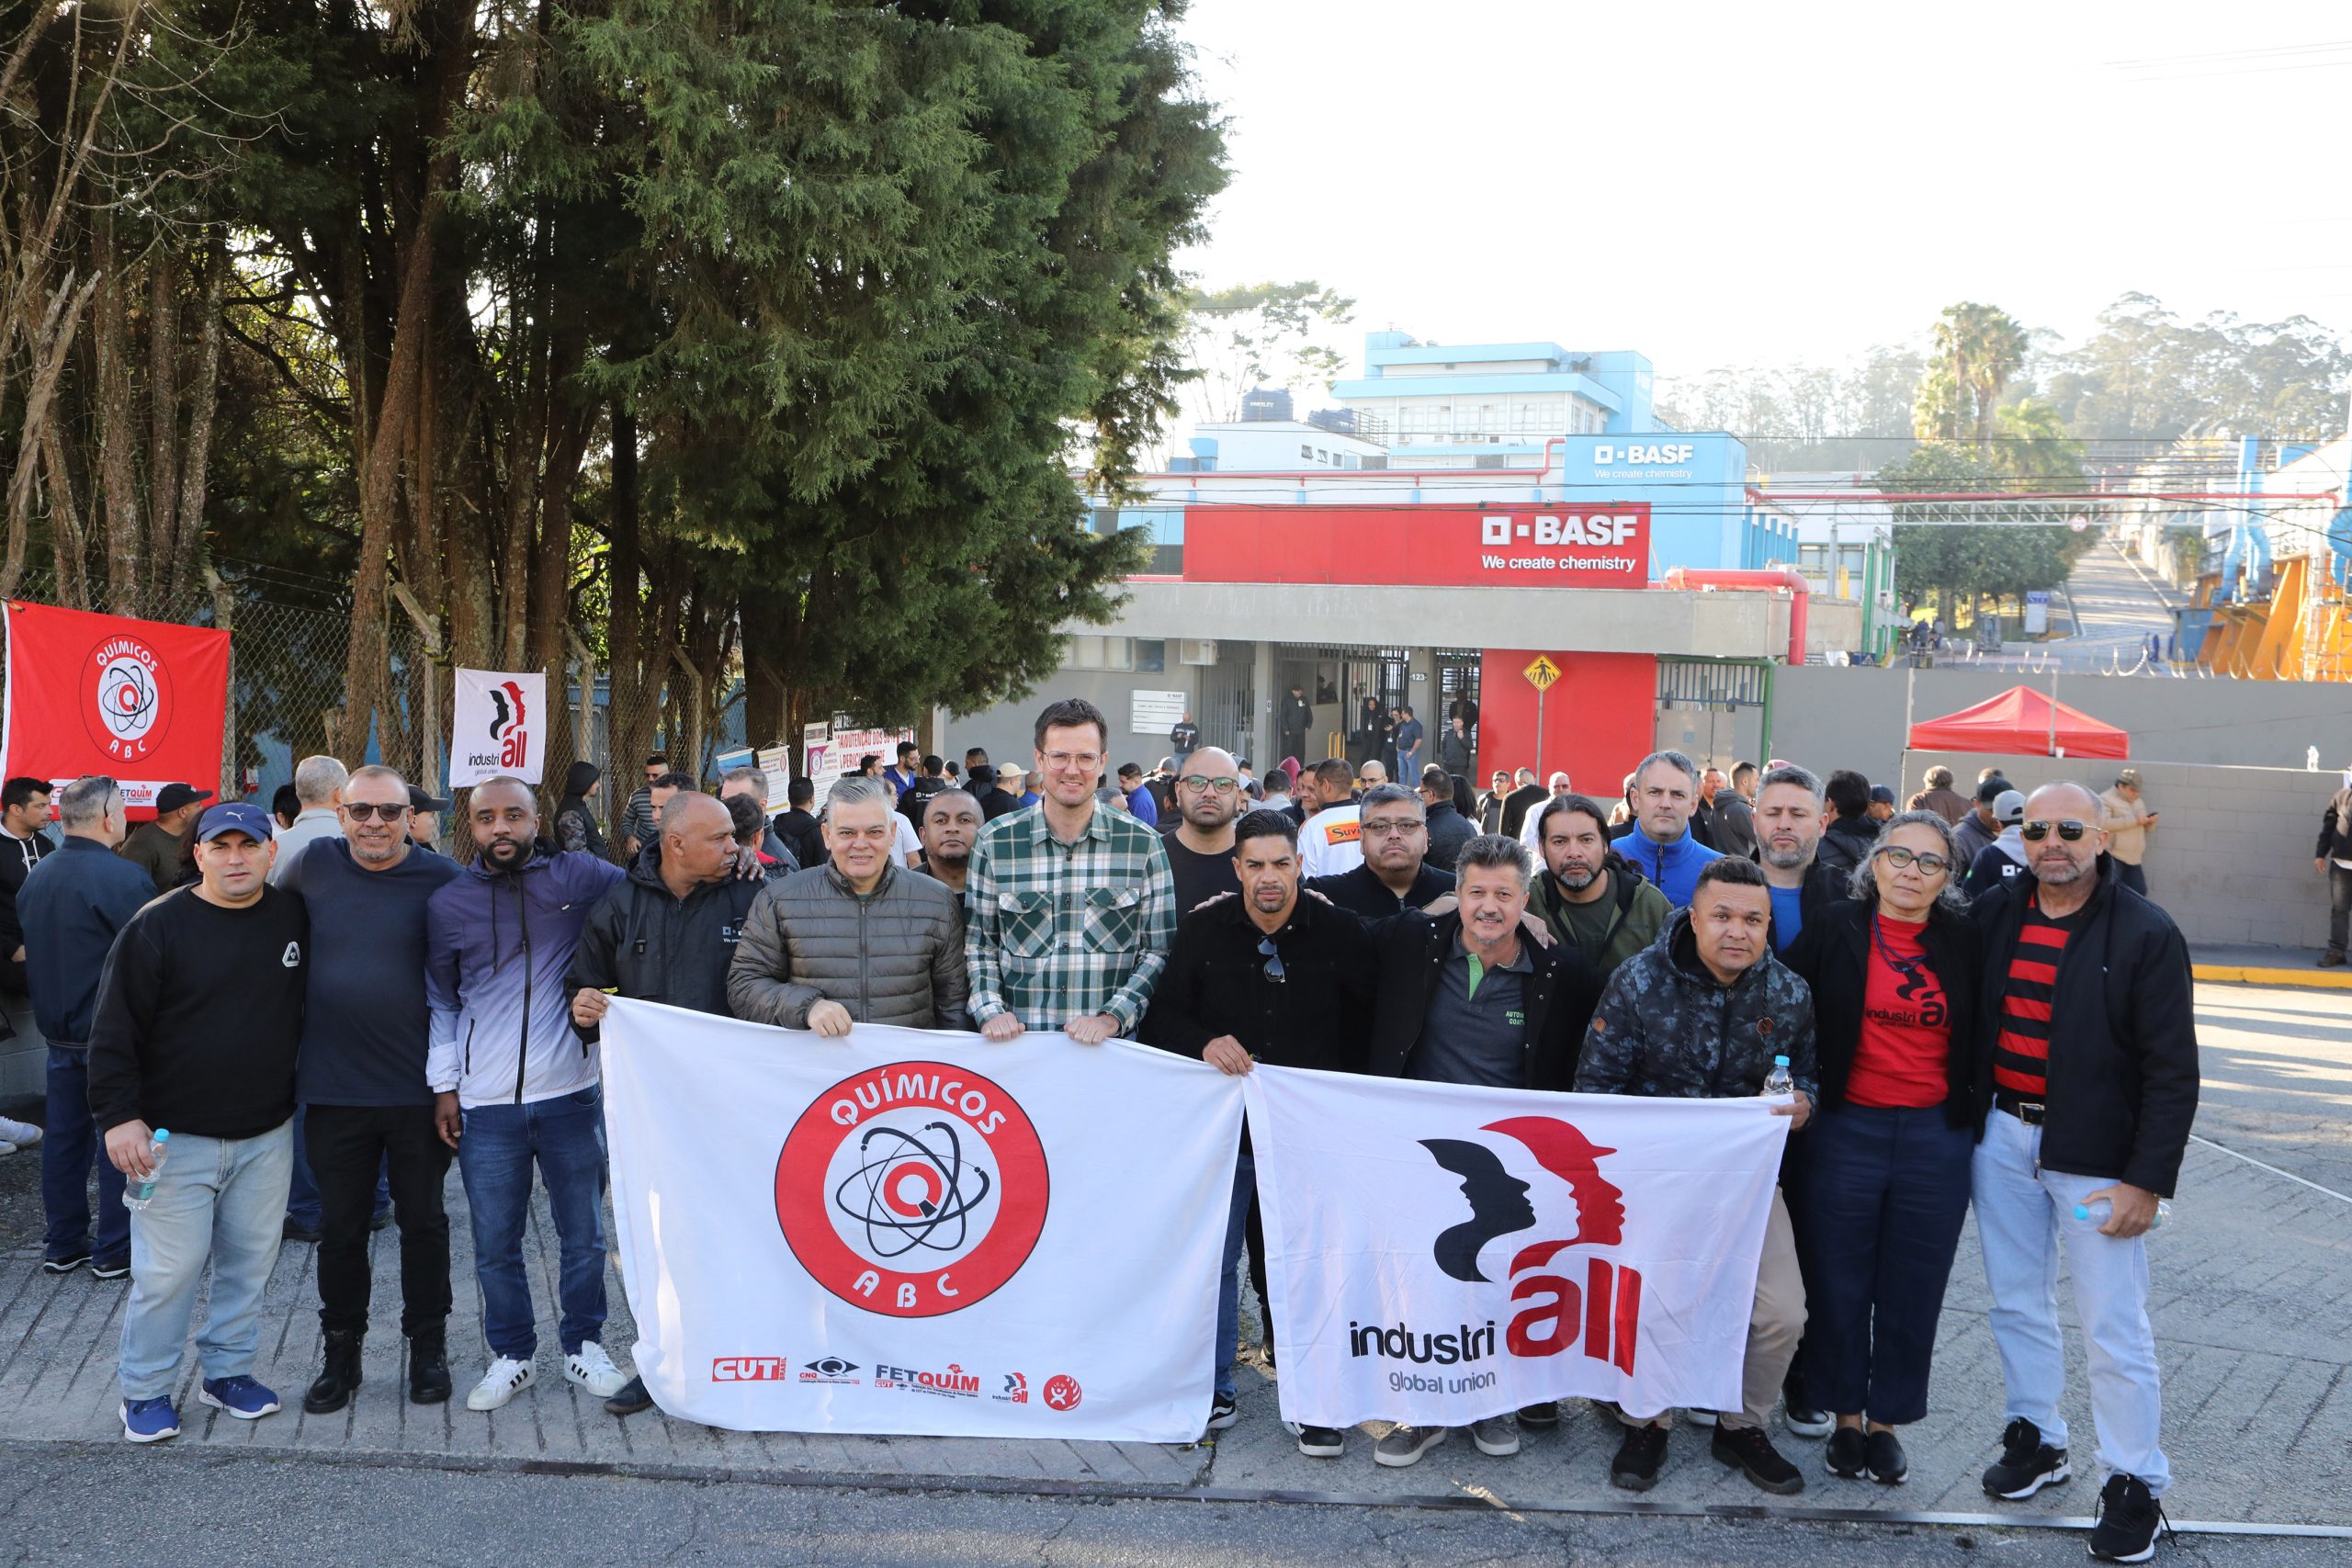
x=2101, y=1210
x=137, y=1195
x=1778, y=1082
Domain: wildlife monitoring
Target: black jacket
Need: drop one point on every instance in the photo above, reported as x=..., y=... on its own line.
x=801, y=835
x=1454, y=752
x=2123, y=1071
x=1561, y=993
x=2335, y=827
x=1449, y=831
x=1844, y=843
x=640, y=943
x=1517, y=805
x=74, y=905
x=18, y=858
x=1216, y=983
x=1359, y=891
x=1832, y=955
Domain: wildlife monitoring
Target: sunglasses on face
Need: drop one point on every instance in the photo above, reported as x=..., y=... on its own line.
x=1928, y=864
x=361, y=811
x=2069, y=830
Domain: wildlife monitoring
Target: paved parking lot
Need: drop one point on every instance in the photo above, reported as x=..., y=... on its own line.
x=2253, y=1311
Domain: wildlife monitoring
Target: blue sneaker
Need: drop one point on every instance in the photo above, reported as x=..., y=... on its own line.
x=239, y=1397
x=149, y=1420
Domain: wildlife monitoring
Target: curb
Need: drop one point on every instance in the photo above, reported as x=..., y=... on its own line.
x=2245, y=974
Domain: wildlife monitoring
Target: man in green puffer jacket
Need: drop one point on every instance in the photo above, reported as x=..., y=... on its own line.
x=1591, y=896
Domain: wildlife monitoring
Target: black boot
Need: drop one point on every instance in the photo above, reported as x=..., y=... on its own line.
x=339, y=1378
x=428, y=1366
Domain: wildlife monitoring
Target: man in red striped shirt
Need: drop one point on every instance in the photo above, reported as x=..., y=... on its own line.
x=2088, y=997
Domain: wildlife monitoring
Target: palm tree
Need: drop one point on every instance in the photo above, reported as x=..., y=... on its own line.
x=1977, y=349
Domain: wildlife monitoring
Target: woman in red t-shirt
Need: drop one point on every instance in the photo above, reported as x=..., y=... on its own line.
x=1904, y=1081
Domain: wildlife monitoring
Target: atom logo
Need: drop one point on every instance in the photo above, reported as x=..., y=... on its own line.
x=914, y=1190
x=127, y=701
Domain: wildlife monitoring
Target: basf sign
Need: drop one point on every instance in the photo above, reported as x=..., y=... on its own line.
x=1586, y=544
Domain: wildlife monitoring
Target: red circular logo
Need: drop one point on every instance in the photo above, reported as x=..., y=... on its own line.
x=1062, y=1392
x=126, y=697
x=914, y=1190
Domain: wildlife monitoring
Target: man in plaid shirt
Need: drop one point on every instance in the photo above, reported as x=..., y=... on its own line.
x=1072, y=906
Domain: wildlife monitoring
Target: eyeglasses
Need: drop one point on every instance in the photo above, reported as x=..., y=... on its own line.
x=1929, y=865
x=2069, y=830
x=1087, y=759
x=1385, y=826
x=1198, y=782
x=1273, y=955
x=362, y=810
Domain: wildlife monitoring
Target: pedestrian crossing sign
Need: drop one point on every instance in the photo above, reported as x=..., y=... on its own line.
x=1542, y=673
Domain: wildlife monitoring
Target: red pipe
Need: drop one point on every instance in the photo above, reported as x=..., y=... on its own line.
x=1787, y=577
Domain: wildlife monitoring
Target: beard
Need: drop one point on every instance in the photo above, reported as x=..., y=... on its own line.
x=1784, y=860
x=1576, y=877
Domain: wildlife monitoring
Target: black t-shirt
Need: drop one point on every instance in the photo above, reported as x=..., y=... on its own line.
x=199, y=1016
x=1198, y=876
x=366, y=1026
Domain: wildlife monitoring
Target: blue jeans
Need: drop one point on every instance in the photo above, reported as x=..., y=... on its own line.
x=217, y=1198
x=302, y=1204
x=2024, y=1213
x=1228, y=1285
x=566, y=1136
x=1885, y=1193
x=69, y=1147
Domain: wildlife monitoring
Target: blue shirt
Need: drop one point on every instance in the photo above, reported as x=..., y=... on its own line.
x=365, y=1022
x=1142, y=806
x=1788, y=916
x=1675, y=866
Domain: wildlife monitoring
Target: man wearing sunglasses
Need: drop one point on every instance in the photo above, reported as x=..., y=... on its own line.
x=2087, y=1001
x=361, y=1080
x=1269, y=977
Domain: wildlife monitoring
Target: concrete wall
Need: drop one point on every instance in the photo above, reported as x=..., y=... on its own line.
x=1828, y=718
x=2231, y=860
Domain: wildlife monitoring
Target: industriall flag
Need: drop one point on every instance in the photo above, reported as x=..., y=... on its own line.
x=1444, y=1252
x=499, y=726
x=916, y=1231
x=143, y=702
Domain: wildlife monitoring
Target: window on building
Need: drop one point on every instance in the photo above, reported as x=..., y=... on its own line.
x=1150, y=656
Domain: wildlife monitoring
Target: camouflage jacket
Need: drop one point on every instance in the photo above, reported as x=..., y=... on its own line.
x=1668, y=1030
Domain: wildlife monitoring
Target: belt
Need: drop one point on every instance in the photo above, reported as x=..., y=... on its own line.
x=2030, y=1111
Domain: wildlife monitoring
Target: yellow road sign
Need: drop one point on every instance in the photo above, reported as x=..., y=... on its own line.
x=1542, y=673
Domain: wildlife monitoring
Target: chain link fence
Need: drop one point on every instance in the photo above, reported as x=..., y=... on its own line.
x=286, y=696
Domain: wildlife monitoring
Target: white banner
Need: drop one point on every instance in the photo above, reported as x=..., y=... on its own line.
x=498, y=726
x=1443, y=1252
x=914, y=1230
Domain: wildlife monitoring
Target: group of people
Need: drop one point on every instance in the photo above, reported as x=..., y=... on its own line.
x=2031, y=1049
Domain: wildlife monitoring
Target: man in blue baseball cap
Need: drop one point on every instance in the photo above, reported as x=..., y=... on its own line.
x=199, y=1019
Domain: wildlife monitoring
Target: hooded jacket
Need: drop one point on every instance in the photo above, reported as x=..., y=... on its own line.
x=1846, y=842
x=2123, y=1071
x=575, y=819
x=639, y=941
x=1675, y=867
x=1642, y=912
x=1996, y=862
x=894, y=956
x=497, y=947
x=1667, y=1029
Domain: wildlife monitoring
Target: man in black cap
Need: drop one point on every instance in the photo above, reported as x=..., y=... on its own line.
x=424, y=819
x=154, y=847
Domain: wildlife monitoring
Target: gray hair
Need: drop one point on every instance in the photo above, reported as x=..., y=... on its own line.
x=1790, y=773
x=87, y=801
x=1689, y=768
x=757, y=779
x=1392, y=794
x=856, y=789
x=372, y=771
x=1493, y=851
x=1861, y=882
x=317, y=778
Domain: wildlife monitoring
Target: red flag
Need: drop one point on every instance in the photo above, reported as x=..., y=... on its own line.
x=142, y=701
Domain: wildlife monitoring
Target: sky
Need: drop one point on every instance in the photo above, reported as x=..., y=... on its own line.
x=1718, y=185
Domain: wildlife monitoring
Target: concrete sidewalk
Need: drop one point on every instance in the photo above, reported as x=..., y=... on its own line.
x=2253, y=1309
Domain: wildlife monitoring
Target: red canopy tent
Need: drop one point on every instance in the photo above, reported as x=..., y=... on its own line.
x=2021, y=720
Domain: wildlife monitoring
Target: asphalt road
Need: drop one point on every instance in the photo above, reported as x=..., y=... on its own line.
x=67, y=1506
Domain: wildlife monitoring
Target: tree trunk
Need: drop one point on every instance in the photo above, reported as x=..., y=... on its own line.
x=69, y=549
x=118, y=488
x=187, y=543
x=52, y=342
x=162, y=423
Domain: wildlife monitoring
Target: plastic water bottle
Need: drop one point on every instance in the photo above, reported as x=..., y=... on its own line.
x=1778, y=1082
x=2101, y=1210
x=137, y=1195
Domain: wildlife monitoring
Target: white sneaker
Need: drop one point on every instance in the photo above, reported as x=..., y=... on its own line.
x=24, y=1134
x=7, y=1149
x=594, y=1371
x=506, y=1378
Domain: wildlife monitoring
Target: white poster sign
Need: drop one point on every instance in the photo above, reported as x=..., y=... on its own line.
x=912, y=1231
x=826, y=753
x=1444, y=1252
x=1156, y=713
x=498, y=726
